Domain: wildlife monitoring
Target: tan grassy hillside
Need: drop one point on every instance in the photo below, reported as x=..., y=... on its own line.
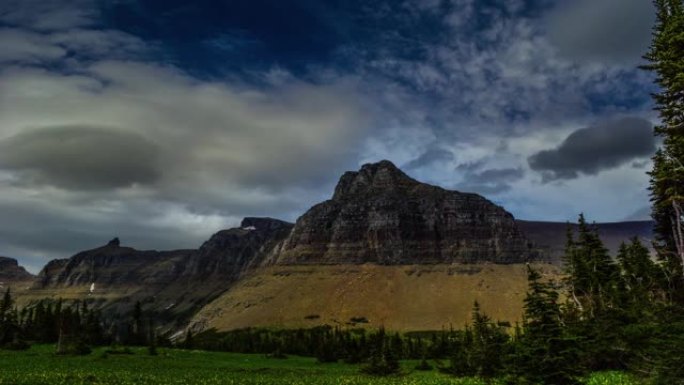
x=415, y=297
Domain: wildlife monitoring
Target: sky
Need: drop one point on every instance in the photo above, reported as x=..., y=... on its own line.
x=164, y=121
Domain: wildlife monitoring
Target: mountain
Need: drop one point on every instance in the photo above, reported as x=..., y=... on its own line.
x=11, y=274
x=172, y=284
x=384, y=250
x=113, y=266
x=231, y=253
x=380, y=215
x=389, y=251
x=551, y=236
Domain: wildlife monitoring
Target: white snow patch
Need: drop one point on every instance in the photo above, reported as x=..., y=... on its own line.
x=177, y=335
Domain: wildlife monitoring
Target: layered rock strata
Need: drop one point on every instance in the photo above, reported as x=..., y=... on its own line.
x=380, y=215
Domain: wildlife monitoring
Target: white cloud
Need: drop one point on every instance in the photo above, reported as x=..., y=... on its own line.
x=24, y=46
x=607, y=197
x=205, y=130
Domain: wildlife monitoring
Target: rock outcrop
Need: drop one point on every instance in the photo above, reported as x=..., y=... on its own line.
x=381, y=215
x=112, y=266
x=171, y=284
x=230, y=253
x=226, y=255
x=11, y=272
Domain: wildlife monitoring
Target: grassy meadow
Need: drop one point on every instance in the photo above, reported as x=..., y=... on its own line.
x=39, y=365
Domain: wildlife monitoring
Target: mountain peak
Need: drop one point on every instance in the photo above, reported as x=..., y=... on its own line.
x=8, y=263
x=11, y=271
x=379, y=214
x=263, y=223
x=383, y=164
x=372, y=178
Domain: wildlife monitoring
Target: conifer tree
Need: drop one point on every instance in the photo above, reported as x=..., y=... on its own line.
x=640, y=278
x=7, y=323
x=666, y=60
x=591, y=272
x=6, y=303
x=382, y=360
x=488, y=344
x=461, y=359
x=189, y=342
x=138, y=335
x=544, y=354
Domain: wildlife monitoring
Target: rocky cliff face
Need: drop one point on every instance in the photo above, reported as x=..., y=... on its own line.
x=226, y=255
x=171, y=284
x=380, y=215
x=11, y=272
x=112, y=265
x=230, y=253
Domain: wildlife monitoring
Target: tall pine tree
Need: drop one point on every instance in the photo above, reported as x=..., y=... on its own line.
x=544, y=353
x=666, y=60
x=591, y=273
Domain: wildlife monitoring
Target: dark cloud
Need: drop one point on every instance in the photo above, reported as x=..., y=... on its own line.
x=639, y=165
x=490, y=181
x=79, y=158
x=499, y=174
x=594, y=149
x=609, y=31
x=430, y=157
x=484, y=189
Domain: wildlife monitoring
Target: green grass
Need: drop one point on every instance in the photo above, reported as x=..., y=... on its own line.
x=39, y=366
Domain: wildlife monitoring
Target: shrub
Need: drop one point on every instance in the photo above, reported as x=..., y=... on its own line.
x=277, y=354
x=74, y=348
x=424, y=365
x=17, y=345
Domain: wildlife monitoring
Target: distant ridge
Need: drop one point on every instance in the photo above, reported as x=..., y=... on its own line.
x=11, y=273
x=551, y=236
x=174, y=284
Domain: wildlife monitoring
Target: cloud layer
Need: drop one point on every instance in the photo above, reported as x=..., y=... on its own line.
x=608, y=31
x=594, y=149
x=162, y=124
x=81, y=158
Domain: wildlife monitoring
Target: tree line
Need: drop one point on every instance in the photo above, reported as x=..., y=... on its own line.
x=74, y=327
